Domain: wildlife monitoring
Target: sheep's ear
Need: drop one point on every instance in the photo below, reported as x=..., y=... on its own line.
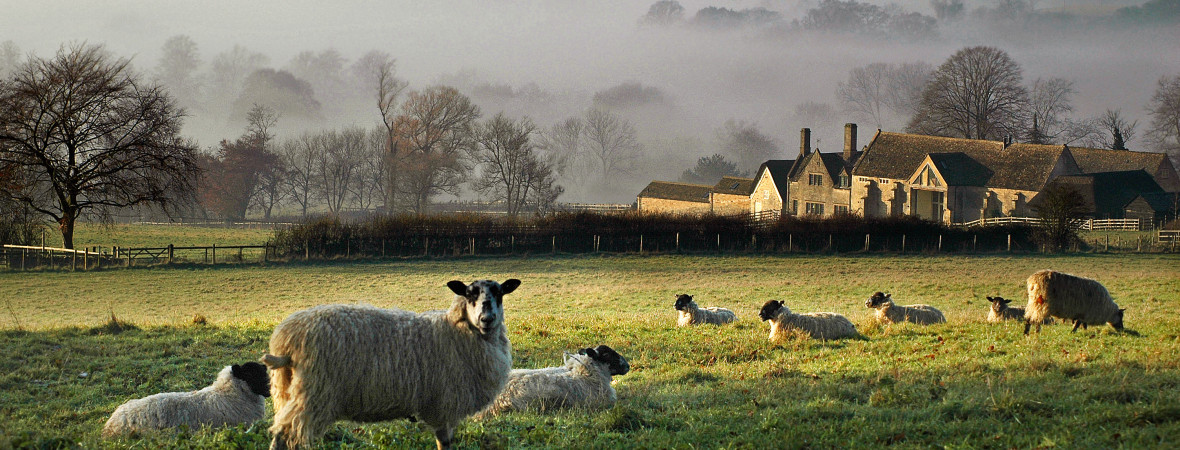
x=236, y=371
x=589, y=352
x=888, y=295
x=509, y=285
x=458, y=287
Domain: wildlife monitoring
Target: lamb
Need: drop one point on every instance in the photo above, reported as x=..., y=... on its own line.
x=1069, y=297
x=888, y=312
x=1000, y=311
x=691, y=314
x=584, y=382
x=366, y=364
x=820, y=325
x=235, y=397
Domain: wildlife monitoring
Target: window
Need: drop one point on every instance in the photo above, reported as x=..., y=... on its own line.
x=844, y=181
x=815, y=179
x=815, y=208
x=794, y=206
x=839, y=209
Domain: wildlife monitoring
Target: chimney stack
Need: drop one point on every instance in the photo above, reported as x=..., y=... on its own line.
x=849, y=141
x=804, y=142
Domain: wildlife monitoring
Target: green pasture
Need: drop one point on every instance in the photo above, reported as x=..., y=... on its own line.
x=65, y=364
x=147, y=235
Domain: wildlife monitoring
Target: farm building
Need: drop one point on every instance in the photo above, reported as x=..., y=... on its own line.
x=1107, y=194
x=820, y=183
x=1153, y=208
x=671, y=197
x=771, y=186
x=731, y=195
x=1098, y=160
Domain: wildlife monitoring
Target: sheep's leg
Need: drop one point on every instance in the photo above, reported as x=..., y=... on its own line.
x=1076, y=323
x=278, y=442
x=443, y=436
x=1027, y=324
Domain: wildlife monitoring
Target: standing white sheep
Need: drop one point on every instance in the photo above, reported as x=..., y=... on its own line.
x=583, y=382
x=235, y=397
x=1069, y=297
x=691, y=314
x=820, y=325
x=368, y=364
x=889, y=312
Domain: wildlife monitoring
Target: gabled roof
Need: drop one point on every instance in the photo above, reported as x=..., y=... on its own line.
x=1159, y=201
x=833, y=162
x=1016, y=166
x=958, y=169
x=734, y=186
x=1108, y=193
x=1095, y=160
x=780, y=173
x=677, y=191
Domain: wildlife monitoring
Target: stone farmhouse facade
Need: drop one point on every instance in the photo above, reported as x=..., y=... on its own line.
x=820, y=183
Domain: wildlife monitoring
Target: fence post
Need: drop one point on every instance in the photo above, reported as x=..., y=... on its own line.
x=128, y=257
x=383, y=248
x=1107, y=250
x=754, y=242
x=265, y=250
x=554, y=244
x=215, y=254
x=426, y=249
x=830, y=248
x=974, y=240
x=473, y=245
x=678, y=241
x=903, y=243
x=86, y=259
x=23, y=253
x=940, y=243
x=170, y=254
x=866, y=242
x=1138, y=244
x=74, y=261
x=1009, y=242
x=790, y=243
x=640, y=243
x=718, y=241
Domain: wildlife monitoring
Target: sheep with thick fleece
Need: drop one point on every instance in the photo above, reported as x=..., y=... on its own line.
x=1069, y=297
x=583, y=382
x=235, y=397
x=889, y=312
x=367, y=364
x=691, y=314
x=820, y=325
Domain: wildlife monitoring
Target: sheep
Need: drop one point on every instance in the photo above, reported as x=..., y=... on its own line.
x=1069, y=297
x=820, y=325
x=367, y=364
x=888, y=312
x=584, y=381
x=691, y=314
x=1000, y=311
x=235, y=397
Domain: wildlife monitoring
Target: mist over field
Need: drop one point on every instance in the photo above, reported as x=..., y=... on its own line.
x=548, y=59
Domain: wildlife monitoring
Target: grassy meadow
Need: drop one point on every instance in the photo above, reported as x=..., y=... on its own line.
x=65, y=365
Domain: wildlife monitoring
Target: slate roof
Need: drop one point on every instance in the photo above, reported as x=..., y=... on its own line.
x=833, y=162
x=734, y=186
x=1016, y=166
x=677, y=191
x=1158, y=201
x=1108, y=193
x=958, y=169
x=1095, y=160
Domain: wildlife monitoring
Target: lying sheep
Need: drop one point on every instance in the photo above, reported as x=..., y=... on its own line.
x=366, y=364
x=691, y=314
x=1000, y=311
x=235, y=397
x=820, y=325
x=888, y=312
x=583, y=382
x=1069, y=297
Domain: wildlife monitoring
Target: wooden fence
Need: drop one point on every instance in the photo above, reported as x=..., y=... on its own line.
x=24, y=257
x=1087, y=224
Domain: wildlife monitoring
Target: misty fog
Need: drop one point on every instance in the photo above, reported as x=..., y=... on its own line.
x=548, y=59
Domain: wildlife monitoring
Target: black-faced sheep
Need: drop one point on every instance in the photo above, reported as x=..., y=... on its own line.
x=888, y=312
x=691, y=314
x=1069, y=297
x=1000, y=311
x=820, y=325
x=367, y=364
x=583, y=382
x=235, y=397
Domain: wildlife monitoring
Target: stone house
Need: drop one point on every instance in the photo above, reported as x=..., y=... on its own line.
x=953, y=180
x=676, y=198
x=732, y=196
x=772, y=186
x=1153, y=208
x=821, y=183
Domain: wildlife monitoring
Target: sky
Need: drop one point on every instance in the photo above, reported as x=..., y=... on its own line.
x=576, y=48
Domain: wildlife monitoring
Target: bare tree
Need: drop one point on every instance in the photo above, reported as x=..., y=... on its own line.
x=562, y=144
x=339, y=160
x=269, y=191
x=511, y=170
x=229, y=69
x=1112, y=131
x=866, y=90
x=178, y=69
x=369, y=188
x=975, y=94
x=664, y=12
x=91, y=136
x=299, y=158
x=435, y=130
x=906, y=83
x=1164, y=108
x=9, y=58
x=611, y=142
x=1048, y=103
x=380, y=69
x=746, y=144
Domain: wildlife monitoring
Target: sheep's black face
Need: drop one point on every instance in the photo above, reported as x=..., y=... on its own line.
x=1118, y=321
x=769, y=309
x=682, y=301
x=615, y=363
x=484, y=302
x=877, y=300
x=254, y=375
x=999, y=304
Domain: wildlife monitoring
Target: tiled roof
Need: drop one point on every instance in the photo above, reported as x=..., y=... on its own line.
x=677, y=191
x=833, y=162
x=780, y=172
x=1094, y=160
x=1159, y=201
x=1016, y=166
x=734, y=186
x=1107, y=193
x=958, y=169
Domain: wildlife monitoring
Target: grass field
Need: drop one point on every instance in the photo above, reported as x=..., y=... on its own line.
x=963, y=384
x=140, y=235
